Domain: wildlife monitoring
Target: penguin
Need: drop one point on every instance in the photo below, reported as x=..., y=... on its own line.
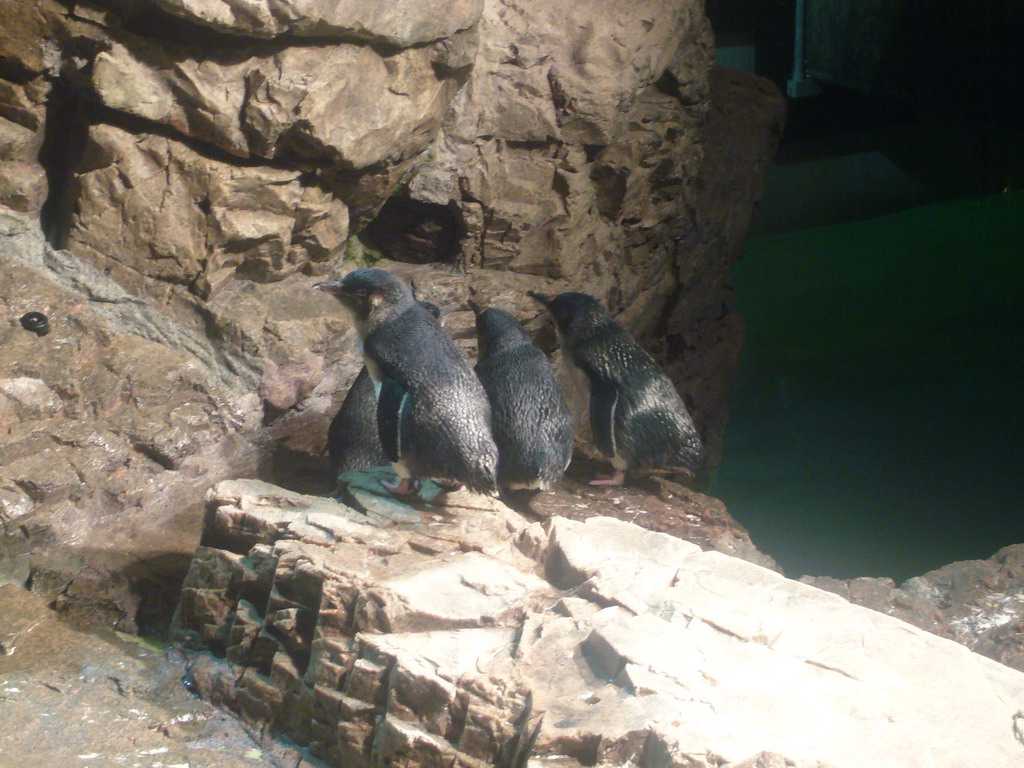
x=531, y=421
x=433, y=417
x=637, y=417
x=352, y=438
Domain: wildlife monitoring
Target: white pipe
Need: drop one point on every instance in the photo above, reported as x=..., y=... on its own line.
x=798, y=41
x=800, y=85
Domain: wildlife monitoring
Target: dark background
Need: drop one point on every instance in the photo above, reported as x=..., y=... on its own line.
x=876, y=426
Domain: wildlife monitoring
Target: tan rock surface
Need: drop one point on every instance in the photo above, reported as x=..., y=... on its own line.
x=404, y=23
x=29, y=52
x=28, y=32
x=554, y=89
x=338, y=104
x=151, y=207
x=239, y=159
x=22, y=186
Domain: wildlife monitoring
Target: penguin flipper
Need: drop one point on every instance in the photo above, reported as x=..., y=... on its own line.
x=604, y=400
x=392, y=405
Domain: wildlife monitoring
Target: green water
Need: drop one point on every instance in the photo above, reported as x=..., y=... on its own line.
x=876, y=426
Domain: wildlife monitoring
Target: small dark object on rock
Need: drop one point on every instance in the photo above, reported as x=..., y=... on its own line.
x=190, y=683
x=36, y=322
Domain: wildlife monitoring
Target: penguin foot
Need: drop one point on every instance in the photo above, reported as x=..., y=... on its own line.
x=618, y=478
x=403, y=486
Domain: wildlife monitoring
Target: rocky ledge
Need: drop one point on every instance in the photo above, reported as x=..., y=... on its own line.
x=468, y=634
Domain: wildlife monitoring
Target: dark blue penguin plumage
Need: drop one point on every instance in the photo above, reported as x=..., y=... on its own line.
x=637, y=417
x=433, y=417
x=353, y=441
x=531, y=421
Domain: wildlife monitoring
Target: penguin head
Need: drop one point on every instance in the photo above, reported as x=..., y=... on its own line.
x=496, y=330
x=573, y=313
x=370, y=293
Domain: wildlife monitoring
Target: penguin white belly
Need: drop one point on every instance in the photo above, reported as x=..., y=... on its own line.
x=400, y=469
x=375, y=372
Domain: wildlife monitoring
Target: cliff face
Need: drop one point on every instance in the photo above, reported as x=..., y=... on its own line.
x=196, y=165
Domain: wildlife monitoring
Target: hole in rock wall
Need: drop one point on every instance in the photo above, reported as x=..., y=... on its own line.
x=669, y=85
x=610, y=186
x=157, y=581
x=302, y=469
x=63, y=143
x=414, y=232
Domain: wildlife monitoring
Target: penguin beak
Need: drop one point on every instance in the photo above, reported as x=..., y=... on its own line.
x=333, y=288
x=545, y=300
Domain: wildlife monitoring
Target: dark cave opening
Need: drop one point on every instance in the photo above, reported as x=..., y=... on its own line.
x=414, y=232
x=66, y=132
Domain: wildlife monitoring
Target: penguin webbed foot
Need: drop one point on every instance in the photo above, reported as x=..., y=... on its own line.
x=401, y=486
x=617, y=478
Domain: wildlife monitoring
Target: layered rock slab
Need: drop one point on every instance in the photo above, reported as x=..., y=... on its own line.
x=321, y=104
x=403, y=23
x=473, y=636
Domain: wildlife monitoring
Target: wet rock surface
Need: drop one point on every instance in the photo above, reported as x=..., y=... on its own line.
x=472, y=636
x=73, y=698
x=111, y=413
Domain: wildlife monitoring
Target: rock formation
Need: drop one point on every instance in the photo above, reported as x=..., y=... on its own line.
x=469, y=636
x=197, y=164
